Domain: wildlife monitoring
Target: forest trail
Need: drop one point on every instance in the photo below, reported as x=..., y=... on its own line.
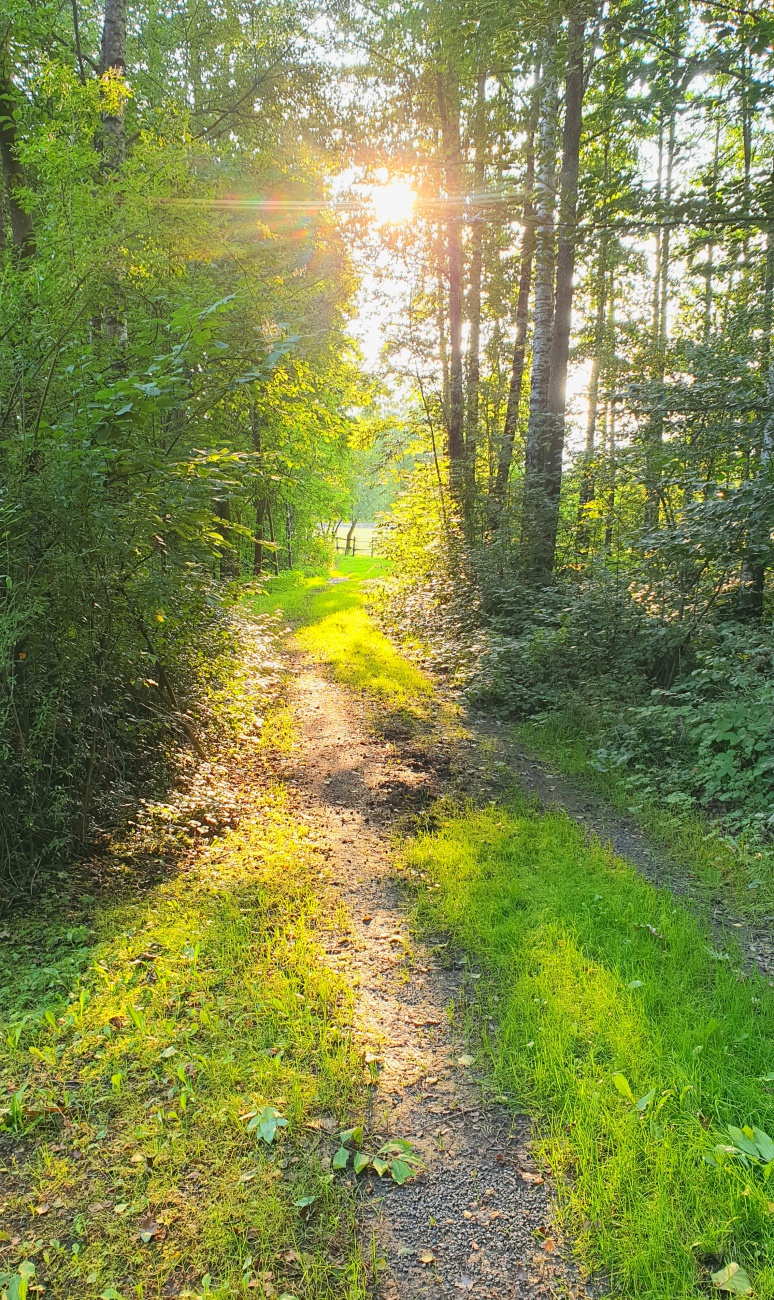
x=478, y=1220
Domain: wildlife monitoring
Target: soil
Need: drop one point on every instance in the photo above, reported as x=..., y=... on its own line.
x=478, y=1220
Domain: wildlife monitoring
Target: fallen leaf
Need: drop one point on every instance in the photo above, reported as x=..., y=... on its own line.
x=527, y=1177
x=138, y=1158
x=42, y=1209
x=732, y=1278
x=549, y=1244
x=425, y=1256
x=465, y=1060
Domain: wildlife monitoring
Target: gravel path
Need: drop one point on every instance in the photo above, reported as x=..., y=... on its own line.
x=478, y=1220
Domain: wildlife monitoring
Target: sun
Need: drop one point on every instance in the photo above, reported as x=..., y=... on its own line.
x=393, y=202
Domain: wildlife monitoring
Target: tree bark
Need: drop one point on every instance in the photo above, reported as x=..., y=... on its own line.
x=528, y=239
x=350, y=535
x=600, y=330
x=661, y=331
x=450, y=138
x=545, y=253
x=113, y=59
x=14, y=175
x=473, y=376
x=565, y=271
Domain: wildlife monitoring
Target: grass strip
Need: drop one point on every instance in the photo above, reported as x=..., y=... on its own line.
x=625, y=1032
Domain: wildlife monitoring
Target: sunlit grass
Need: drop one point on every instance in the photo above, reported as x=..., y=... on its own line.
x=589, y=971
x=744, y=872
x=334, y=628
x=205, y=1000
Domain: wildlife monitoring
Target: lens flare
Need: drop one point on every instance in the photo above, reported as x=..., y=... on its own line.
x=392, y=203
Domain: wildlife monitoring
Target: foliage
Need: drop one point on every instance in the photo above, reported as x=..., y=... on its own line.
x=175, y=380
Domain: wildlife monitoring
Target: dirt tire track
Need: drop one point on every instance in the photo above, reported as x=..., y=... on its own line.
x=472, y=1210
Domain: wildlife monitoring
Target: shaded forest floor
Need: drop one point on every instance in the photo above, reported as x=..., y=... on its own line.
x=360, y=921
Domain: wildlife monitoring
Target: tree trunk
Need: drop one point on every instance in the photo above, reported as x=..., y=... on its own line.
x=113, y=59
x=14, y=175
x=600, y=332
x=288, y=534
x=565, y=271
x=275, y=552
x=545, y=199
x=661, y=330
x=350, y=536
x=260, y=514
x=450, y=137
x=505, y=455
x=474, y=300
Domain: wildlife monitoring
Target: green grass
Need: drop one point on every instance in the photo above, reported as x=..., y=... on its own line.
x=589, y=972
x=136, y=1044
x=743, y=872
x=333, y=627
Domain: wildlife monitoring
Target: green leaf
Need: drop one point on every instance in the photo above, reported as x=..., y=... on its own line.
x=352, y=1135
x=732, y=1278
x=380, y=1166
x=400, y=1171
x=622, y=1084
x=266, y=1123
x=744, y=1142
x=764, y=1144
x=341, y=1158
x=634, y=984
x=304, y=1202
x=645, y=1101
x=361, y=1161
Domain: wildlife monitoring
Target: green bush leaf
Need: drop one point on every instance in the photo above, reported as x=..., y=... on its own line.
x=341, y=1158
x=361, y=1161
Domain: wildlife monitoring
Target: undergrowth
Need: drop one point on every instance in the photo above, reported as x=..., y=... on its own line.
x=634, y=1042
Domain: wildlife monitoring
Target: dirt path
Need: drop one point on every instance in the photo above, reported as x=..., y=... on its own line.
x=478, y=1220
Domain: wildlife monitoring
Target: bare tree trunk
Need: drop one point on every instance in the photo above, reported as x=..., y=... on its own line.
x=14, y=175
x=565, y=271
x=600, y=323
x=260, y=514
x=450, y=136
x=505, y=455
x=545, y=253
x=275, y=552
x=661, y=330
x=473, y=376
x=113, y=59
x=288, y=524
x=350, y=536
x=442, y=340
